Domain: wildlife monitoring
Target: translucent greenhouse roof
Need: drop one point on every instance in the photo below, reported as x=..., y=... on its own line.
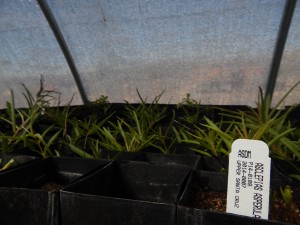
x=220, y=52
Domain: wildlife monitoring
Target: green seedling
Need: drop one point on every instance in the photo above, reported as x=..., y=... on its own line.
x=124, y=137
x=267, y=124
x=7, y=165
x=192, y=111
x=166, y=139
x=287, y=195
x=83, y=135
x=23, y=121
x=147, y=115
x=211, y=138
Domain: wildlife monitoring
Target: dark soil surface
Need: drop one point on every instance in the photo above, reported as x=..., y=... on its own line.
x=210, y=200
x=51, y=186
x=203, y=198
x=279, y=211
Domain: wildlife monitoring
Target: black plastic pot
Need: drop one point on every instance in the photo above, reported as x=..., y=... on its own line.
x=200, y=217
x=30, y=194
x=183, y=149
x=213, y=164
x=221, y=165
x=189, y=214
x=287, y=167
x=18, y=160
x=125, y=193
x=191, y=161
x=118, y=155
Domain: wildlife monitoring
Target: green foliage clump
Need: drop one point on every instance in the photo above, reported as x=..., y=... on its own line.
x=22, y=122
x=99, y=126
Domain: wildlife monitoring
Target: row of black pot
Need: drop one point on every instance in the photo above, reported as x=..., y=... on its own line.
x=149, y=189
x=280, y=169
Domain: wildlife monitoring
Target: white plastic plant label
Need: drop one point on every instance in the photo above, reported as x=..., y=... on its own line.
x=249, y=179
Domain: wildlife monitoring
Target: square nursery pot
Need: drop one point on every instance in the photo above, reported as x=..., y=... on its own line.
x=118, y=155
x=214, y=164
x=125, y=192
x=169, y=159
x=287, y=167
x=189, y=208
x=30, y=194
x=15, y=161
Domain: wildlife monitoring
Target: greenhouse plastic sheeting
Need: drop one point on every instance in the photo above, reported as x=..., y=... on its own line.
x=28, y=49
x=289, y=72
x=218, y=51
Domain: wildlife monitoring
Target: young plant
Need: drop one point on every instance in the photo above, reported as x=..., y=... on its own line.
x=267, y=124
x=82, y=134
x=57, y=115
x=137, y=130
x=23, y=122
x=131, y=134
x=166, y=139
x=191, y=112
x=287, y=195
x=125, y=137
x=101, y=105
x=147, y=116
x=211, y=139
x=42, y=145
x=283, y=206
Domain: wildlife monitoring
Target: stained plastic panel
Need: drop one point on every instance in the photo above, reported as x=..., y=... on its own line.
x=218, y=51
x=289, y=72
x=28, y=49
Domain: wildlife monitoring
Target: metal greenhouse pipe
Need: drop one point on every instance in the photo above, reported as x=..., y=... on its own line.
x=279, y=48
x=64, y=47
